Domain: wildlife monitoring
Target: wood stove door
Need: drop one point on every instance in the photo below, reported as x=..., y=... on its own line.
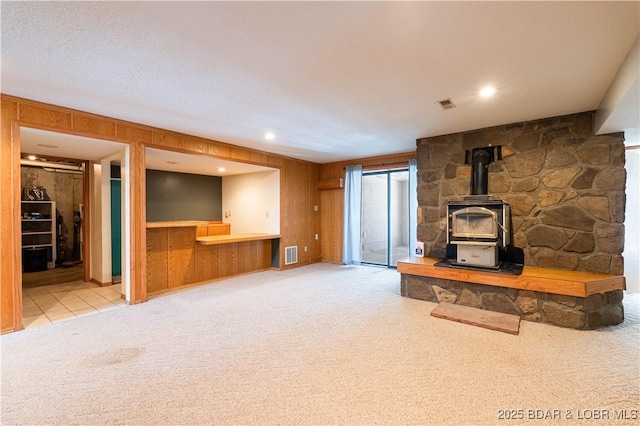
x=474, y=222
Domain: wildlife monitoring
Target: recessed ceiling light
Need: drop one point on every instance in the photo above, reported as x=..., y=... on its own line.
x=487, y=92
x=269, y=136
x=222, y=169
x=32, y=157
x=47, y=145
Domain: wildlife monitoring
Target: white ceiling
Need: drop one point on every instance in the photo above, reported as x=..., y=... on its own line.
x=332, y=80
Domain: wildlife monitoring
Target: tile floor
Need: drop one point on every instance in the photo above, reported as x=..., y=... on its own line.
x=59, y=302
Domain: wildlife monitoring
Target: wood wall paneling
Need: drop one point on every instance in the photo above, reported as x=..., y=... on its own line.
x=296, y=190
x=137, y=218
x=219, y=150
x=293, y=229
x=182, y=256
x=228, y=259
x=259, y=158
x=315, y=252
x=166, y=140
x=240, y=154
x=10, y=255
x=331, y=223
x=96, y=128
x=247, y=256
x=197, y=146
x=157, y=259
x=45, y=117
x=207, y=262
x=133, y=133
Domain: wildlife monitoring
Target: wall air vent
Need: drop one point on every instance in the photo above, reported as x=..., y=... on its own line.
x=446, y=104
x=290, y=255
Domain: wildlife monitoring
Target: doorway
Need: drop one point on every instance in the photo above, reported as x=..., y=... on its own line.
x=65, y=275
x=52, y=197
x=385, y=217
x=116, y=224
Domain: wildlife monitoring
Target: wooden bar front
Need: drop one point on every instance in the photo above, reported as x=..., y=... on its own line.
x=179, y=255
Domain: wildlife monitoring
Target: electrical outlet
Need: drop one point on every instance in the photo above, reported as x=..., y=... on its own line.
x=267, y=215
x=316, y=236
x=305, y=249
x=315, y=208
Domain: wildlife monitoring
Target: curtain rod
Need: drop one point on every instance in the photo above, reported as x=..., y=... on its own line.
x=396, y=165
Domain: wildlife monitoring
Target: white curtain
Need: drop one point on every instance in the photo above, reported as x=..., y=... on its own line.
x=352, y=215
x=631, y=252
x=413, y=206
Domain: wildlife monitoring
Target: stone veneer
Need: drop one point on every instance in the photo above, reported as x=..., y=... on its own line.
x=564, y=184
x=586, y=313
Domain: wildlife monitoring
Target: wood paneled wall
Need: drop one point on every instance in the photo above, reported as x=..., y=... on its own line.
x=332, y=200
x=298, y=194
x=175, y=259
x=10, y=270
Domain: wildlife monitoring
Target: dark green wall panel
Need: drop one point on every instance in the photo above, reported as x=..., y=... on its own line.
x=183, y=196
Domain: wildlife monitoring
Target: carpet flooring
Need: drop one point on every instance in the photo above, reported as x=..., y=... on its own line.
x=320, y=344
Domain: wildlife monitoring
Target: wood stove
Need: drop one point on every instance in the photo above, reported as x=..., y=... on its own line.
x=479, y=226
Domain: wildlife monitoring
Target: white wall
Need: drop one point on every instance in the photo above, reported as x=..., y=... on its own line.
x=251, y=202
x=631, y=252
x=95, y=270
x=100, y=268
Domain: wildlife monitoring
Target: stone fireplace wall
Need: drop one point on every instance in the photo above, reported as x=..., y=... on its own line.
x=565, y=185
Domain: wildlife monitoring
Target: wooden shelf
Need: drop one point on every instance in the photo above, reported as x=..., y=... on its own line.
x=234, y=238
x=334, y=183
x=39, y=231
x=178, y=223
x=545, y=280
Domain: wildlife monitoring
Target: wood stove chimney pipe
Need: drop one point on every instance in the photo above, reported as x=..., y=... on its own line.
x=480, y=158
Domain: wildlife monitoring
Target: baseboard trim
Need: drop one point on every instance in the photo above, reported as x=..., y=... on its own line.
x=101, y=284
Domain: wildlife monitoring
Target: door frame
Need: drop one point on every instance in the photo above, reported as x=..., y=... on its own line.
x=388, y=174
x=86, y=225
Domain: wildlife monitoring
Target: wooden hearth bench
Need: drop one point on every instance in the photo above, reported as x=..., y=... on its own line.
x=575, y=299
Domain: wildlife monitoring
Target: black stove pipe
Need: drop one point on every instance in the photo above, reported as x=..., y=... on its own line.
x=480, y=160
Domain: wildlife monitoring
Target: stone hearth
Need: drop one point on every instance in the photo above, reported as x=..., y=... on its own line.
x=585, y=313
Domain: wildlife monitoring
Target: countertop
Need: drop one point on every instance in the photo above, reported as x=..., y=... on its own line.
x=234, y=238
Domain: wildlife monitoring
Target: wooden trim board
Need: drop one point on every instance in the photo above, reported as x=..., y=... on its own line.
x=480, y=317
x=234, y=238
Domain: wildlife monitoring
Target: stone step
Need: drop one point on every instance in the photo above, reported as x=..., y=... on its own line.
x=479, y=317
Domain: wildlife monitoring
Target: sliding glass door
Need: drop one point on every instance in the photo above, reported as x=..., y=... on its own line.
x=385, y=217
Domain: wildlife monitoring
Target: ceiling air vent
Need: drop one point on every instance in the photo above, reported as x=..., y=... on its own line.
x=446, y=104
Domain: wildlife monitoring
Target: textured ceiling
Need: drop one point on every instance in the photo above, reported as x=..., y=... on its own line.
x=333, y=81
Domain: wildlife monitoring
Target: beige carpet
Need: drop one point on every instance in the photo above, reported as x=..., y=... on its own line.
x=322, y=344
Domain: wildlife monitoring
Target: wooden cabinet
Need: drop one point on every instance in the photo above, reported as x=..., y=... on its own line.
x=213, y=229
x=39, y=231
x=180, y=254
